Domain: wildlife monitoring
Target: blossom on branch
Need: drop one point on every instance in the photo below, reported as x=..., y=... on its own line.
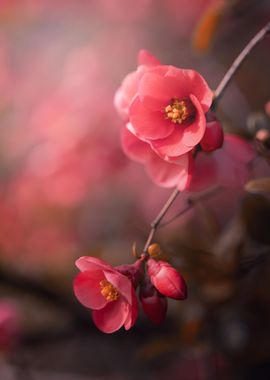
x=107, y=292
x=164, y=110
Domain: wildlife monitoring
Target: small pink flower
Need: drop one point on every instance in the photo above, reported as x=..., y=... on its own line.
x=166, y=279
x=165, y=107
x=109, y=293
x=154, y=304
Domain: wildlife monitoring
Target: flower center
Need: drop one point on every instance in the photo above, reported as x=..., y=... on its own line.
x=108, y=291
x=179, y=110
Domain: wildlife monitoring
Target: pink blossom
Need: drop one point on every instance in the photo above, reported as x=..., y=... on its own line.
x=166, y=107
x=109, y=293
x=166, y=279
x=154, y=304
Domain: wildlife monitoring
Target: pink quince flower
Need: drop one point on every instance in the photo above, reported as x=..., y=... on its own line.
x=166, y=108
x=107, y=292
x=166, y=279
x=154, y=304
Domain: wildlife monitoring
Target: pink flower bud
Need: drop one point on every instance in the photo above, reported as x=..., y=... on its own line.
x=153, y=303
x=166, y=279
x=213, y=136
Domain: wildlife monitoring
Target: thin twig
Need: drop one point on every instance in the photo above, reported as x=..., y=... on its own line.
x=238, y=62
x=190, y=203
x=158, y=219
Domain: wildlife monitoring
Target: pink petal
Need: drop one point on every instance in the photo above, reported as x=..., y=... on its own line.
x=112, y=317
x=148, y=124
x=166, y=174
x=147, y=59
x=156, y=91
x=121, y=283
x=133, y=312
x=92, y=263
x=87, y=289
x=171, y=146
x=125, y=94
x=193, y=133
x=134, y=148
x=193, y=83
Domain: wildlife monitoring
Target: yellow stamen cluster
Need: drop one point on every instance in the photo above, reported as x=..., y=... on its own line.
x=108, y=291
x=179, y=110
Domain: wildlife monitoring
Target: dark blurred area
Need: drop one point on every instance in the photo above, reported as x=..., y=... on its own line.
x=67, y=190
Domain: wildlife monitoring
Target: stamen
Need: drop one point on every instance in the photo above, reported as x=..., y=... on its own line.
x=179, y=110
x=108, y=291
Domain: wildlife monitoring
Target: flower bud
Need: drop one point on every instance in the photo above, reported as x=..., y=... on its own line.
x=153, y=303
x=156, y=252
x=213, y=136
x=166, y=279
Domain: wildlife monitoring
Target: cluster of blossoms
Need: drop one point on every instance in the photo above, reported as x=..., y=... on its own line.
x=167, y=120
x=111, y=291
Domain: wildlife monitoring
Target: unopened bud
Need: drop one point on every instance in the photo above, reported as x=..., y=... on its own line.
x=153, y=303
x=166, y=279
x=213, y=136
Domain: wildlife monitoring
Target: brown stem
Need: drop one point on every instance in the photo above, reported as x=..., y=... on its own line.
x=158, y=219
x=238, y=62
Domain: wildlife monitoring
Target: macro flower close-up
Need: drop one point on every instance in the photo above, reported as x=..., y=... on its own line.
x=134, y=190
x=107, y=292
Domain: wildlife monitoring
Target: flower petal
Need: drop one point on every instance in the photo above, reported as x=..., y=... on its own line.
x=172, y=146
x=121, y=283
x=87, y=289
x=147, y=59
x=156, y=91
x=193, y=83
x=125, y=93
x=167, y=174
x=193, y=133
x=134, y=148
x=149, y=124
x=133, y=312
x=112, y=317
x=92, y=263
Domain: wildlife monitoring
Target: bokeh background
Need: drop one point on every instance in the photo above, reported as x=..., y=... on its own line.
x=67, y=190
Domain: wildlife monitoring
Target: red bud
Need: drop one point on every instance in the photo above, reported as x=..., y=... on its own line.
x=154, y=304
x=166, y=279
x=213, y=136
